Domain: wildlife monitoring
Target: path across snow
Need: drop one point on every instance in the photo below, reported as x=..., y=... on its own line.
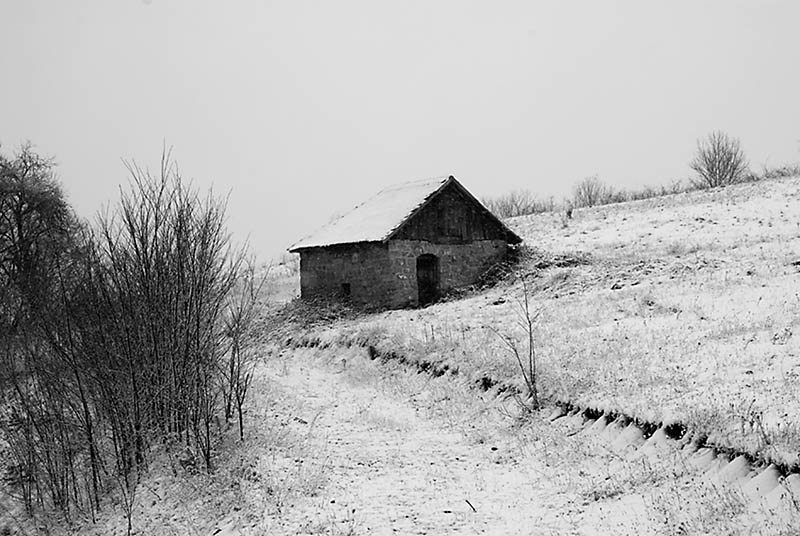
x=391, y=467
x=337, y=444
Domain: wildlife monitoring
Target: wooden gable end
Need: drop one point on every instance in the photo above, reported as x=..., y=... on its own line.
x=453, y=216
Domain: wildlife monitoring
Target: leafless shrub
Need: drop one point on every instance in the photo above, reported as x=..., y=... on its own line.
x=239, y=322
x=524, y=354
x=518, y=203
x=121, y=340
x=780, y=172
x=719, y=161
x=648, y=192
x=590, y=192
x=593, y=192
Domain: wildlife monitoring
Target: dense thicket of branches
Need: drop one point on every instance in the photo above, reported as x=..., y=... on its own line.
x=719, y=161
x=37, y=232
x=35, y=223
x=116, y=337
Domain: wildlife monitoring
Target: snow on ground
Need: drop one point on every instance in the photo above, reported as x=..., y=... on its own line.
x=340, y=444
x=687, y=310
x=393, y=470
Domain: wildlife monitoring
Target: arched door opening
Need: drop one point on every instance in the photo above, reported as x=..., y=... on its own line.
x=427, y=278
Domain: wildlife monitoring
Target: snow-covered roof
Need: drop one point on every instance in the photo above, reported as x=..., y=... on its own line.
x=378, y=218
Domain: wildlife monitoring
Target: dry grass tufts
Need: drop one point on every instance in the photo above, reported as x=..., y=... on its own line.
x=636, y=329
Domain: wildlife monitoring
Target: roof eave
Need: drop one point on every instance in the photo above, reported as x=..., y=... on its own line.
x=511, y=236
x=514, y=237
x=301, y=248
x=431, y=196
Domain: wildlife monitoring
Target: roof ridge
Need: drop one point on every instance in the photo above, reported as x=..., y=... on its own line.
x=379, y=217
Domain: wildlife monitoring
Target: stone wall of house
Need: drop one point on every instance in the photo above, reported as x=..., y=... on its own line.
x=356, y=272
x=459, y=264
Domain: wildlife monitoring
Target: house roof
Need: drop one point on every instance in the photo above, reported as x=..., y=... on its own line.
x=378, y=218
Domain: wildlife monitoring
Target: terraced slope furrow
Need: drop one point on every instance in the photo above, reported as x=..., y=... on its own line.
x=685, y=310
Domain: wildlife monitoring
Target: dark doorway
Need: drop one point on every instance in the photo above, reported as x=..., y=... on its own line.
x=427, y=278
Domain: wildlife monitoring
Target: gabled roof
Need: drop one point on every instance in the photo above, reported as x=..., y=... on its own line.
x=380, y=217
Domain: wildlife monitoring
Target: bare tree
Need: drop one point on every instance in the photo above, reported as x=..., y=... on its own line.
x=113, y=338
x=524, y=354
x=37, y=234
x=35, y=225
x=590, y=192
x=719, y=161
x=241, y=313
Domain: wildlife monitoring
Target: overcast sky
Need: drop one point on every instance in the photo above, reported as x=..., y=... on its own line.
x=303, y=109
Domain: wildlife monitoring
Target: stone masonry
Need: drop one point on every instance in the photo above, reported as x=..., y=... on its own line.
x=382, y=270
x=459, y=264
x=364, y=267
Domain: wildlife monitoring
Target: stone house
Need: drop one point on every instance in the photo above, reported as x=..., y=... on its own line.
x=405, y=246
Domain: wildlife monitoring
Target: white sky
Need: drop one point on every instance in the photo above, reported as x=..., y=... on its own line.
x=302, y=109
